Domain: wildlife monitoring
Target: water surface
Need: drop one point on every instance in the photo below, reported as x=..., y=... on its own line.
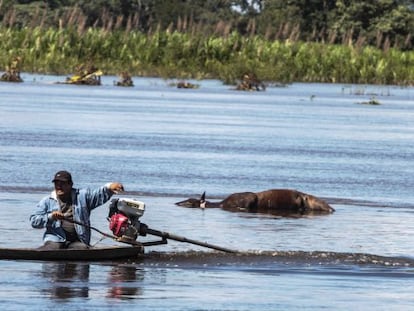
x=166, y=144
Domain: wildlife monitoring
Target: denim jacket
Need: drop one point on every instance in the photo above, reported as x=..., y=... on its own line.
x=84, y=201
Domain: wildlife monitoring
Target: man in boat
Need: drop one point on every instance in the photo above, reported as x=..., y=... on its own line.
x=66, y=205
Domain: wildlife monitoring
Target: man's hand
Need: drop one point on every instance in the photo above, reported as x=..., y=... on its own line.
x=116, y=187
x=57, y=215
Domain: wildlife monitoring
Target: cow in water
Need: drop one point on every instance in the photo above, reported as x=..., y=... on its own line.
x=282, y=202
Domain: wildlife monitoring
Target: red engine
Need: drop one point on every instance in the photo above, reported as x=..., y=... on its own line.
x=124, y=217
x=119, y=224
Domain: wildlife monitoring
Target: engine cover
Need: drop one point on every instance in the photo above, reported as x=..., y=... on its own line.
x=131, y=208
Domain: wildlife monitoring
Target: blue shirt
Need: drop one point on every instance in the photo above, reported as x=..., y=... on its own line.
x=83, y=201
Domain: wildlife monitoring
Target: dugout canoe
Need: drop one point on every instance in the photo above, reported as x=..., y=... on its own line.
x=91, y=254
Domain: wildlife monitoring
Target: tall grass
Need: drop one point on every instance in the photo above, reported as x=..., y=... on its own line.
x=194, y=55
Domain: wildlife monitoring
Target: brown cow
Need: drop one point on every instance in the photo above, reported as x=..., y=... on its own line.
x=283, y=202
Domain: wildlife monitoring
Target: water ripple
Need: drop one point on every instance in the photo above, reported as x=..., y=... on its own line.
x=266, y=258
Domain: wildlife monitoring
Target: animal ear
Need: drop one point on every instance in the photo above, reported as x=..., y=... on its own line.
x=203, y=197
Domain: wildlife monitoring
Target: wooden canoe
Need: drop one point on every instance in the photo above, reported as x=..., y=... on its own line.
x=91, y=254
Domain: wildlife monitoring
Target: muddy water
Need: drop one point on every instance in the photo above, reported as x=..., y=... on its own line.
x=167, y=144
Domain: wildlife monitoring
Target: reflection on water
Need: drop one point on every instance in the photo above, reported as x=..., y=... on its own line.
x=67, y=280
x=72, y=280
x=123, y=282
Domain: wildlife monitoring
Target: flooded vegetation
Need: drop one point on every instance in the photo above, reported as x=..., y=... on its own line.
x=185, y=55
x=283, y=96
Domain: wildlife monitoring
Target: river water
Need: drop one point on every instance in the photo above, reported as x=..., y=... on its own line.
x=167, y=144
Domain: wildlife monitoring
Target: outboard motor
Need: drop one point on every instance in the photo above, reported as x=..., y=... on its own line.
x=124, y=223
x=124, y=217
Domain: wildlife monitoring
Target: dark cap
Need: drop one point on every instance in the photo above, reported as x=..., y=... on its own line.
x=63, y=176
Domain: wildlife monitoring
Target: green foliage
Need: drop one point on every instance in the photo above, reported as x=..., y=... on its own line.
x=381, y=23
x=183, y=55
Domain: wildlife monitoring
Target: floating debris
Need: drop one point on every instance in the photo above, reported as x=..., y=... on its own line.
x=125, y=79
x=372, y=101
x=184, y=85
x=249, y=82
x=85, y=75
x=12, y=73
x=187, y=85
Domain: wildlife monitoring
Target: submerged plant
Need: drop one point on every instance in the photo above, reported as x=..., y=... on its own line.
x=372, y=101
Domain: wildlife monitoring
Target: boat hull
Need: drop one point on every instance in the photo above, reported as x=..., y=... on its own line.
x=91, y=254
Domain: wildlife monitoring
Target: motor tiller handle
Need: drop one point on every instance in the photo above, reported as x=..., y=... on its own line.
x=144, y=230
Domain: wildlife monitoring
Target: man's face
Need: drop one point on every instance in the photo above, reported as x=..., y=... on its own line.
x=63, y=188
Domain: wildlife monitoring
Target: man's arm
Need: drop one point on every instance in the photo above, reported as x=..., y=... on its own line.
x=40, y=217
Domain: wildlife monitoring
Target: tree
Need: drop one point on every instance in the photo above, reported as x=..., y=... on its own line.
x=372, y=21
x=372, y=18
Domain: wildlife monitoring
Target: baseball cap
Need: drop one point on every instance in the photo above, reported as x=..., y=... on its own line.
x=63, y=176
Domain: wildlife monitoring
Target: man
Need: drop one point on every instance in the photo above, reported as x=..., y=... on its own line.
x=66, y=205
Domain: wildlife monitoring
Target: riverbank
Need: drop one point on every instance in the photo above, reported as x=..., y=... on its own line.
x=193, y=56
